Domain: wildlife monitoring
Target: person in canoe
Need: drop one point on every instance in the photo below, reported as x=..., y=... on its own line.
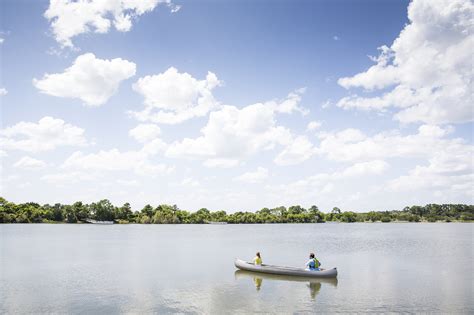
x=258, y=259
x=313, y=263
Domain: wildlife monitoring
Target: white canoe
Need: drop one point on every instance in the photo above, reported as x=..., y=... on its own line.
x=287, y=271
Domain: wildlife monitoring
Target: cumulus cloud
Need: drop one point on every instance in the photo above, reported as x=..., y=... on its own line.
x=89, y=79
x=257, y=176
x=445, y=176
x=145, y=132
x=130, y=183
x=221, y=163
x=298, y=150
x=322, y=184
x=189, y=181
x=313, y=125
x=45, y=135
x=352, y=144
x=447, y=172
x=114, y=160
x=29, y=163
x=172, y=97
x=290, y=104
x=68, y=177
x=3, y=91
x=71, y=18
x=232, y=134
x=427, y=70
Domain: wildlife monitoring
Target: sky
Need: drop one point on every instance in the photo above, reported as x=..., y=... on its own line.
x=237, y=105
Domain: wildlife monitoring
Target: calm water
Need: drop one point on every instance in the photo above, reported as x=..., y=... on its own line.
x=189, y=269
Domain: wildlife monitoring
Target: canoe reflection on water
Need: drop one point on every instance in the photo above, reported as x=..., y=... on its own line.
x=314, y=284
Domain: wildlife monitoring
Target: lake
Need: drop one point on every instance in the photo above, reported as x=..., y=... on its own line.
x=383, y=267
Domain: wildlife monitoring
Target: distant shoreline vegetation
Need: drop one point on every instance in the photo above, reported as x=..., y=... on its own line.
x=104, y=210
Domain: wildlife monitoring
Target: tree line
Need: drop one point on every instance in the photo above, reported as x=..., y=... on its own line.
x=104, y=210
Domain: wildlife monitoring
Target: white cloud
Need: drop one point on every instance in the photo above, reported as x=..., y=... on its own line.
x=257, y=176
x=449, y=172
x=378, y=76
x=45, y=135
x=232, y=134
x=90, y=79
x=114, y=160
x=172, y=97
x=3, y=91
x=290, y=103
x=298, y=150
x=154, y=147
x=324, y=186
x=2, y=40
x=129, y=183
x=335, y=37
x=373, y=167
x=68, y=177
x=145, y=132
x=313, y=125
x=221, y=163
x=71, y=18
x=353, y=144
x=190, y=182
x=29, y=163
x=428, y=68
x=326, y=104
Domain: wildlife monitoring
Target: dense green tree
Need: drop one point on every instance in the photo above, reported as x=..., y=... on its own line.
x=467, y=216
x=124, y=212
x=417, y=210
x=374, y=216
x=148, y=211
x=348, y=217
x=58, y=212
x=296, y=210
x=81, y=211
x=219, y=216
x=318, y=216
x=102, y=210
x=165, y=214
x=183, y=216
x=70, y=214
x=144, y=219
x=279, y=211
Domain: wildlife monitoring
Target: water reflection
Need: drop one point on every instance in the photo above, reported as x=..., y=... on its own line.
x=258, y=282
x=314, y=284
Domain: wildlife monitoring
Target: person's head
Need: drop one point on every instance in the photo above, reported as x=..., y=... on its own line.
x=258, y=254
x=311, y=255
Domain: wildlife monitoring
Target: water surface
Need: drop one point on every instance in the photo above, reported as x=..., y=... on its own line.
x=189, y=268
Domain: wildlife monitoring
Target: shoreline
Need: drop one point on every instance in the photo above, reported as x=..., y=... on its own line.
x=269, y=223
x=104, y=212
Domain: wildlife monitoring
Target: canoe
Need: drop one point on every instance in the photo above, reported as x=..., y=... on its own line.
x=286, y=271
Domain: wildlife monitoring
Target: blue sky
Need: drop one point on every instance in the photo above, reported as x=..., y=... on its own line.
x=340, y=121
